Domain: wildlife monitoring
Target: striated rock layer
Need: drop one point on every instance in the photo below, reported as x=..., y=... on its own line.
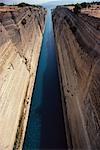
x=21, y=32
x=78, y=52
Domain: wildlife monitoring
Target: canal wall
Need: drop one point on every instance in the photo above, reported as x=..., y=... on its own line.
x=78, y=44
x=21, y=33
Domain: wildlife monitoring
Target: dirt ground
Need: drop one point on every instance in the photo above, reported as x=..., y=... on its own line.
x=7, y=8
x=94, y=10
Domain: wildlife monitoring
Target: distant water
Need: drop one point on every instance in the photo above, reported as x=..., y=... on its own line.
x=46, y=128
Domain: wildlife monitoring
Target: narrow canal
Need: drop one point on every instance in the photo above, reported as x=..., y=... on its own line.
x=45, y=129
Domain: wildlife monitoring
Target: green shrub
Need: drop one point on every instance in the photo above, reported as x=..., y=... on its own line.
x=2, y=4
x=23, y=4
x=77, y=8
x=84, y=5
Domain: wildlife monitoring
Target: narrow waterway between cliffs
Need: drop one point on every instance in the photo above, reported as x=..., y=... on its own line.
x=45, y=128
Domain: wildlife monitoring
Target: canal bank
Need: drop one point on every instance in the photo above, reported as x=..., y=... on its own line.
x=45, y=127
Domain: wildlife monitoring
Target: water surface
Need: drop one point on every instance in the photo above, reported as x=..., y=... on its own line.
x=45, y=129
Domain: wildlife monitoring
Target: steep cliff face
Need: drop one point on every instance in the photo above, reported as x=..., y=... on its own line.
x=21, y=32
x=78, y=51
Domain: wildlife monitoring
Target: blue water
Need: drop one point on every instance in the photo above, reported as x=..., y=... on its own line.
x=45, y=129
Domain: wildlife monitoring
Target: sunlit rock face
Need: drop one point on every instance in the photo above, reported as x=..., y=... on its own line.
x=21, y=32
x=78, y=51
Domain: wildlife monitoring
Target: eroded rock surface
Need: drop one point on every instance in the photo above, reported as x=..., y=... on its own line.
x=21, y=32
x=78, y=50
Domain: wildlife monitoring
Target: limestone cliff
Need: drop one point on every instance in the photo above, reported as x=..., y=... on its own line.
x=21, y=32
x=78, y=50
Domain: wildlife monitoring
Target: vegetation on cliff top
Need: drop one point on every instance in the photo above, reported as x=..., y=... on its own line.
x=2, y=4
x=84, y=4
x=21, y=5
x=78, y=7
x=26, y=4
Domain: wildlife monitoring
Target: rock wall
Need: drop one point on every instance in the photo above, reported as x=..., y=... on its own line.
x=78, y=52
x=21, y=33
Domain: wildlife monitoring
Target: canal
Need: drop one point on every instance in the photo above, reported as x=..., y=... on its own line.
x=45, y=128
